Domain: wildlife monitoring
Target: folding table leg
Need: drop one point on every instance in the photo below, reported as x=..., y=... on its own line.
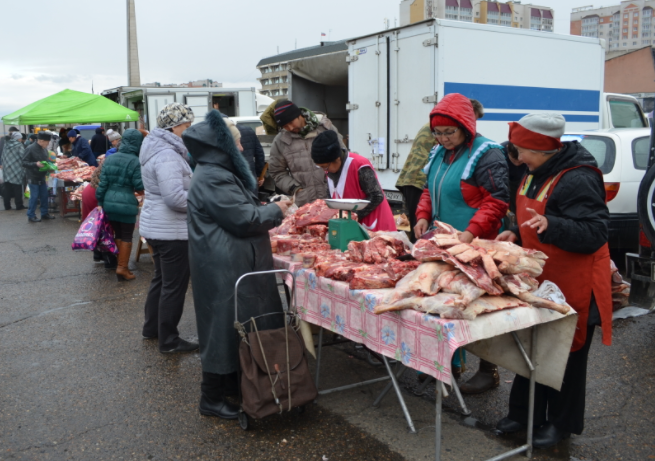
x=437, y=425
x=410, y=423
x=402, y=368
x=318, y=355
x=465, y=410
x=533, y=372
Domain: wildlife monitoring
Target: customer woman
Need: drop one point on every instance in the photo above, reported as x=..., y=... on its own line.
x=228, y=237
x=163, y=222
x=89, y=202
x=561, y=211
x=119, y=180
x=468, y=188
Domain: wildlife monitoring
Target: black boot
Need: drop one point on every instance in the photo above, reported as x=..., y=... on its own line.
x=97, y=255
x=221, y=408
x=548, y=435
x=509, y=426
x=486, y=378
x=110, y=260
x=214, y=388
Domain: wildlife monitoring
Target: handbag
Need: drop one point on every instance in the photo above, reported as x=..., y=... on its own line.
x=88, y=234
x=106, y=242
x=274, y=372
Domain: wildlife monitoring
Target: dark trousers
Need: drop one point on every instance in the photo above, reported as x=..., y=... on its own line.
x=15, y=191
x=412, y=197
x=165, y=301
x=38, y=193
x=215, y=386
x=123, y=230
x=565, y=408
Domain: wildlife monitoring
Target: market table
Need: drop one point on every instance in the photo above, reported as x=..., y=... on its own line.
x=427, y=342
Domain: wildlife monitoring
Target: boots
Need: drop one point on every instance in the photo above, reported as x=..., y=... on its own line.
x=486, y=378
x=124, y=251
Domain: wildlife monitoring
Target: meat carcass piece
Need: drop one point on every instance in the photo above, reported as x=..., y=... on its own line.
x=398, y=269
x=287, y=227
x=356, y=251
x=318, y=230
x=458, y=283
x=489, y=265
x=493, y=246
x=426, y=278
x=427, y=250
x=413, y=302
x=459, y=248
x=443, y=228
x=469, y=256
x=536, y=301
x=525, y=264
x=316, y=212
x=402, y=289
x=483, y=305
x=432, y=305
x=370, y=280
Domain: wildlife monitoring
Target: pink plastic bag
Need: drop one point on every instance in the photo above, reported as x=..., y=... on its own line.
x=106, y=242
x=89, y=232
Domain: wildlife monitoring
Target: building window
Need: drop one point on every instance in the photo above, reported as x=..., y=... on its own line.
x=285, y=91
x=625, y=31
x=625, y=44
x=635, y=14
x=284, y=79
x=634, y=43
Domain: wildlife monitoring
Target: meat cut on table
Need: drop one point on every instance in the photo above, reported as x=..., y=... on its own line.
x=77, y=175
x=376, y=250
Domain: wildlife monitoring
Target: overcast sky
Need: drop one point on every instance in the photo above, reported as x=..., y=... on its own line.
x=53, y=45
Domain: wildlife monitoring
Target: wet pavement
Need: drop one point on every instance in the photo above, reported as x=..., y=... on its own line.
x=77, y=381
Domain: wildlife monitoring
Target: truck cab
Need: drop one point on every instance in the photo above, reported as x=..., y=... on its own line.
x=622, y=111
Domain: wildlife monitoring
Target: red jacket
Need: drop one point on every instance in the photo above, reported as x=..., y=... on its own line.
x=487, y=190
x=89, y=201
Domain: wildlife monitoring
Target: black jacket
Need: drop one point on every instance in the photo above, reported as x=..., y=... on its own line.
x=252, y=149
x=578, y=217
x=99, y=143
x=228, y=237
x=33, y=154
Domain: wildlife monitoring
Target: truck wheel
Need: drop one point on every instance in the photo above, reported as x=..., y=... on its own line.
x=646, y=204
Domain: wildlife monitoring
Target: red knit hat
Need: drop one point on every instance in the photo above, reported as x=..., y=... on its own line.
x=442, y=120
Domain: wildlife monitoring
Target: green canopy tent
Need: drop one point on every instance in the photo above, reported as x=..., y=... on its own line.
x=70, y=106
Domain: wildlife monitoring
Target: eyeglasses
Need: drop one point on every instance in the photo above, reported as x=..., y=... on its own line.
x=438, y=134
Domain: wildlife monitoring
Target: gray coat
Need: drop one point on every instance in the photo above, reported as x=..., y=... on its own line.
x=228, y=237
x=291, y=164
x=166, y=177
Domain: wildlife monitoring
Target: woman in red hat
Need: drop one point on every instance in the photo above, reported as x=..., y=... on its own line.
x=561, y=210
x=468, y=188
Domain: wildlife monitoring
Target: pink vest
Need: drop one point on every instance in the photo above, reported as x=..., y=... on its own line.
x=380, y=219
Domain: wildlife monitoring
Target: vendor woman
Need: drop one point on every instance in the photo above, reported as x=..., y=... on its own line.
x=351, y=176
x=468, y=188
x=561, y=211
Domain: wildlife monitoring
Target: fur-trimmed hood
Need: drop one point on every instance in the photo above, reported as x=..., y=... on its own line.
x=210, y=141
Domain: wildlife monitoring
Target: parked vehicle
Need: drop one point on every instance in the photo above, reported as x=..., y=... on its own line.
x=380, y=90
x=622, y=156
x=148, y=101
x=253, y=122
x=87, y=131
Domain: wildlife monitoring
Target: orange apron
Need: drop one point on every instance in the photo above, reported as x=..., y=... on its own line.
x=576, y=274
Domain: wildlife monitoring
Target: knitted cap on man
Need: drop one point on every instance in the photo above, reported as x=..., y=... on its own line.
x=539, y=132
x=285, y=112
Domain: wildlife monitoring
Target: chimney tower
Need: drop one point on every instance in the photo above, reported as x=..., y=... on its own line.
x=133, y=74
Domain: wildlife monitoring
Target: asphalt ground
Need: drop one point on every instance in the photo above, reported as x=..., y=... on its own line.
x=77, y=381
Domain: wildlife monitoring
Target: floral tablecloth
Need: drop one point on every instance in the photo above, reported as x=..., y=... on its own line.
x=427, y=342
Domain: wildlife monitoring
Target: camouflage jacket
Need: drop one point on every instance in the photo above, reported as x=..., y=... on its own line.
x=412, y=174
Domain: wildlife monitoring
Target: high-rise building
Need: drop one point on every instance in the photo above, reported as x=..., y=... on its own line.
x=625, y=27
x=509, y=14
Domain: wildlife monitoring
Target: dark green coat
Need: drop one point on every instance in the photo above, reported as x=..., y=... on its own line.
x=120, y=178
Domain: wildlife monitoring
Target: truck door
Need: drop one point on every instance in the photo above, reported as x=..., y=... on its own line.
x=199, y=104
x=412, y=86
x=368, y=96
x=156, y=103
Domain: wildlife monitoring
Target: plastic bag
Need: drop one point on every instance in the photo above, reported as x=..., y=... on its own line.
x=278, y=198
x=89, y=232
x=106, y=242
x=548, y=290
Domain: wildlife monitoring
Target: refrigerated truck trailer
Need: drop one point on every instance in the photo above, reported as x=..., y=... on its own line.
x=148, y=101
x=381, y=90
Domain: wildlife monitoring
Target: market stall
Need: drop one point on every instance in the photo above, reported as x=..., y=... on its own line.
x=370, y=294
x=71, y=177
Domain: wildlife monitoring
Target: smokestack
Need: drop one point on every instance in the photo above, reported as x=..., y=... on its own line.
x=133, y=73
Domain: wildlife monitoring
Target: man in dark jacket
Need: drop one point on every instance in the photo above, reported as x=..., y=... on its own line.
x=35, y=155
x=252, y=150
x=99, y=142
x=226, y=223
x=81, y=148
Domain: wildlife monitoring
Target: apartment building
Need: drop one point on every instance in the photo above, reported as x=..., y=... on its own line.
x=624, y=27
x=509, y=14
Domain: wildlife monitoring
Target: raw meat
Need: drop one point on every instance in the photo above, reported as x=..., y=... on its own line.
x=545, y=303
x=483, y=305
x=318, y=230
x=316, y=212
x=458, y=283
x=376, y=250
x=524, y=265
x=431, y=305
x=371, y=280
x=425, y=280
x=493, y=246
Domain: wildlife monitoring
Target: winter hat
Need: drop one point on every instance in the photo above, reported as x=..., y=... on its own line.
x=326, y=148
x=285, y=112
x=44, y=137
x=16, y=136
x=32, y=136
x=72, y=134
x=234, y=131
x=455, y=110
x=539, y=132
x=442, y=120
x=113, y=136
x=173, y=115
x=12, y=128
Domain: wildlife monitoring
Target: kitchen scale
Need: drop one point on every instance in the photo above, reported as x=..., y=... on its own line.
x=342, y=231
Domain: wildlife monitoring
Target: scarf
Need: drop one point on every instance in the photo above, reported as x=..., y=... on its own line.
x=311, y=122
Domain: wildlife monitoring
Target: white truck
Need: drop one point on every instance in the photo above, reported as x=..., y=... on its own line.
x=148, y=101
x=380, y=91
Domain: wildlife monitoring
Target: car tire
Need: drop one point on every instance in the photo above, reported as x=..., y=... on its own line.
x=646, y=204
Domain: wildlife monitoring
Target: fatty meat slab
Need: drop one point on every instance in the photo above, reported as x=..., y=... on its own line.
x=431, y=305
x=483, y=305
x=376, y=250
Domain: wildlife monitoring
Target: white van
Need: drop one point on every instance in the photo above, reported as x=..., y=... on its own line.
x=622, y=156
